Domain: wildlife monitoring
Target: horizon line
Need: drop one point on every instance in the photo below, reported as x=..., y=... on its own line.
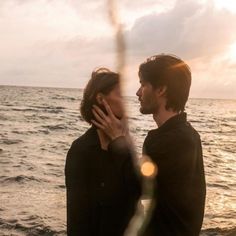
x=34, y=86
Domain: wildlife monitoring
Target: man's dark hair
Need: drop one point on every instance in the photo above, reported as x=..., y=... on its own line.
x=102, y=81
x=172, y=72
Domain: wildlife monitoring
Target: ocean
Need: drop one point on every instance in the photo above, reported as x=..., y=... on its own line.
x=37, y=127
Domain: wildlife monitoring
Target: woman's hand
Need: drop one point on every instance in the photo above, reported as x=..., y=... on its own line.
x=109, y=124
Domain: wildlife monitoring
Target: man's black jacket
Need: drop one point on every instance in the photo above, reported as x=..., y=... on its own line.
x=180, y=185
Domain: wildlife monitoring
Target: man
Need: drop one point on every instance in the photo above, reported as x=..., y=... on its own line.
x=174, y=146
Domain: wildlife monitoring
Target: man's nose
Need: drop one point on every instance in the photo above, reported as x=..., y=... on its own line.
x=138, y=92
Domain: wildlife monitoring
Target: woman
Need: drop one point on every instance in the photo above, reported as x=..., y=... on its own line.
x=102, y=186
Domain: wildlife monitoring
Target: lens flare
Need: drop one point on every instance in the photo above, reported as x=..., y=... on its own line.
x=148, y=169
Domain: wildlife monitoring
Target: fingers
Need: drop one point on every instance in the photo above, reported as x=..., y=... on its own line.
x=102, y=120
x=108, y=108
x=97, y=124
x=98, y=115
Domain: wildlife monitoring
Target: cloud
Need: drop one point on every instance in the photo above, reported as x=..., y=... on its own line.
x=189, y=30
x=200, y=34
x=48, y=43
x=63, y=63
x=59, y=43
x=215, y=79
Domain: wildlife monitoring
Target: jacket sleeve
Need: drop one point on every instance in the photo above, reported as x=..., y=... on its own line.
x=76, y=193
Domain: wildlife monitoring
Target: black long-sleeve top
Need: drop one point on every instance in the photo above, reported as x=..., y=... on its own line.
x=102, y=187
x=180, y=185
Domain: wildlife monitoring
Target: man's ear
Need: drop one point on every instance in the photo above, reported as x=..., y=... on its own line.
x=99, y=98
x=161, y=91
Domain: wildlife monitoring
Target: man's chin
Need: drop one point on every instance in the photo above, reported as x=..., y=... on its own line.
x=143, y=111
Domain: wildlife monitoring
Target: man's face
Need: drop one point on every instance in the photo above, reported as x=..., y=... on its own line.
x=147, y=97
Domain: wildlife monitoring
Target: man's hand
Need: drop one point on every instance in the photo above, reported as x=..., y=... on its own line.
x=109, y=124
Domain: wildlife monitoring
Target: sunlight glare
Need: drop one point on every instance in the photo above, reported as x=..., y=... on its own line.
x=228, y=4
x=232, y=51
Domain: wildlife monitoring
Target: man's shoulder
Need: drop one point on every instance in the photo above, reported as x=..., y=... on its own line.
x=157, y=141
x=187, y=132
x=183, y=133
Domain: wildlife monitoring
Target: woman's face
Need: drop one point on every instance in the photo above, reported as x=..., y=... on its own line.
x=114, y=99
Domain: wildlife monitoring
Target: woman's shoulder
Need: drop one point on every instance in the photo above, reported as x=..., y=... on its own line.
x=78, y=152
x=86, y=141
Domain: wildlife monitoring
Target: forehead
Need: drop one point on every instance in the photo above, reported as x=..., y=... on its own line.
x=140, y=77
x=142, y=81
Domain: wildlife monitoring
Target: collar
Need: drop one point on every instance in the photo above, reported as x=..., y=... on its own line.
x=170, y=123
x=92, y=137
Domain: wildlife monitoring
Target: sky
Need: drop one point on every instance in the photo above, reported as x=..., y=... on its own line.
x=58, y=43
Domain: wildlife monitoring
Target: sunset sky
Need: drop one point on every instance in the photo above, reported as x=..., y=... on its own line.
x=57, y=43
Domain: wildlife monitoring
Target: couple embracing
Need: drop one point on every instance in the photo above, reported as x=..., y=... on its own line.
x=103, y=186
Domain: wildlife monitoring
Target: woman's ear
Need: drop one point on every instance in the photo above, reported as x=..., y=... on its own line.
x=99, y=98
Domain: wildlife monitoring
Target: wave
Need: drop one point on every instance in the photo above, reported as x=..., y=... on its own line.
x=37, y=229
x=55, y=127
x=22, y=109
x=48, y=107
x=58, y=108
x=218, y=186
x=64, y=98
x=7, y=104
x=4, y=118
x=61, y=186
x=196, y=121
x=43, y=131
x=20, y=179
x=36, y=109
x=25, y=132
x=11, y=141
x=219, y=232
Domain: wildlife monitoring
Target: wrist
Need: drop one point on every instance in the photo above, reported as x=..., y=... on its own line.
x=113, y=137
